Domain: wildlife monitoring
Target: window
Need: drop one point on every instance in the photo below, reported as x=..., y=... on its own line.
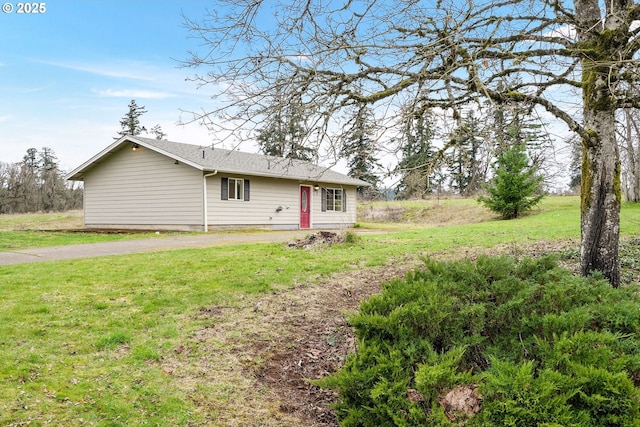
x=333, y=199
x=234, y=189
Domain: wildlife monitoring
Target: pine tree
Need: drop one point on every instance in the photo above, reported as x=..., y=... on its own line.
x=26, y=187
x=130, y=123
x=467, y=161
x=52, y=186
x=359, y=148
x=516, y=187
x=157, y=132
x=284, y=134
x=418, y=154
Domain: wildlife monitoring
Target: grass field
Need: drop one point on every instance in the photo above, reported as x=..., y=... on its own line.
x=55, y=229
x=122, y=340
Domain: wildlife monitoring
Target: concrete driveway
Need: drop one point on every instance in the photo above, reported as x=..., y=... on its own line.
x=164, y=243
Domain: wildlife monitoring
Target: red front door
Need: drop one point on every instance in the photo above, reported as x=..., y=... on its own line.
x=305, y=207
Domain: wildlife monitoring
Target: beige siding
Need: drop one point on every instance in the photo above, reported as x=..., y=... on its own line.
x=266, y=196
x=142, y=188
x=332, y=219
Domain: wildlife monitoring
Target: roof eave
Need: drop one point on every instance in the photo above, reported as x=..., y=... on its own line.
x=78, y=173
x=300, y=178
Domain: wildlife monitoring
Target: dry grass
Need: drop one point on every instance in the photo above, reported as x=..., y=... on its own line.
x=42, y=221
x=425, y=212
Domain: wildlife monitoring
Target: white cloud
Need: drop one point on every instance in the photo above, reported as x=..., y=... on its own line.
x=5, y=119
x=132, y=94
x=122, y=69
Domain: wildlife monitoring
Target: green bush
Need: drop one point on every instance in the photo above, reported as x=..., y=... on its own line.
x=540, y=347
x=516, y=187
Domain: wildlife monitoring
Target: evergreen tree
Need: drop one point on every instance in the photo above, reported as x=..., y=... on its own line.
x=516, y=187
x=359, y=149
x=467, y=161
x=53, y=190
x=27, y=183
x=271, y=138
x=30, y=160
x=157, y=132
x=522, y=128
x=284, y=134
x=48, y=159
x=130, y=123
x=418, y=155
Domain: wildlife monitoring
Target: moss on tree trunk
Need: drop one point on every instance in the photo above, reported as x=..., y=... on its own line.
x=601, y=189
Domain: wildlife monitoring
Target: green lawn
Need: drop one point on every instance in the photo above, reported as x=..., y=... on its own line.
x=54, y=229
x=16, y=240
x=84, y=342
x=40, y=221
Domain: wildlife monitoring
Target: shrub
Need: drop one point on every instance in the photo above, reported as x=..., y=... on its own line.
x=516, y=187
x=536, y=345
x=351, y=237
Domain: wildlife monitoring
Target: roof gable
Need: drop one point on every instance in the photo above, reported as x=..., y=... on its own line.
x=208, y=159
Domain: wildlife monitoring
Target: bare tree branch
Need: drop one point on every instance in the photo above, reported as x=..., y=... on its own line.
x=447, y=54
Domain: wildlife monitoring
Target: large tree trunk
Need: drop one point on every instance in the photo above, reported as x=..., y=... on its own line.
x=600, y=199
x=601, y=188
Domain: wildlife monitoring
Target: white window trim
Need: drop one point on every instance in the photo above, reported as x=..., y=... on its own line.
x=239, y=193
x=332, y=207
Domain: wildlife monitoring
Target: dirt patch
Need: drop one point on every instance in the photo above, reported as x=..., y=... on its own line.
x=267, y=349
x=316, y=341
x=321, y=238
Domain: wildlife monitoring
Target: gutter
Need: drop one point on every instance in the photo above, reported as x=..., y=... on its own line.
x=205, y=211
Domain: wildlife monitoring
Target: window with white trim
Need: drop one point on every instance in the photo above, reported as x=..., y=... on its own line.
x=236, y=189
x=333, y=199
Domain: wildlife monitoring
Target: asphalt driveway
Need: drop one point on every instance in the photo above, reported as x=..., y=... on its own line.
x=165, y=243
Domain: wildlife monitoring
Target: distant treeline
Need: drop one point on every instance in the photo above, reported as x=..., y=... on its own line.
x=36, y=185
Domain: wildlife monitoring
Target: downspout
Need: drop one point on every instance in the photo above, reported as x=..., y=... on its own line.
x=205, y=211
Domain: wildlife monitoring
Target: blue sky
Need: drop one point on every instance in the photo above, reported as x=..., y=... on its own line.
x=67, y=75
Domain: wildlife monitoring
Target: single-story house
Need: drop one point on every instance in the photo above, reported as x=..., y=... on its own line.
x=143, y=183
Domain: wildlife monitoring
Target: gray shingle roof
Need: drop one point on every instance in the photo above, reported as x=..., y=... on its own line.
x=210, y=159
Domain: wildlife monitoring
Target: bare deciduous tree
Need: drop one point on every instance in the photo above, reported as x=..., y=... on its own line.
x=630, y=149
x=36, y=184
x=446, y=54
